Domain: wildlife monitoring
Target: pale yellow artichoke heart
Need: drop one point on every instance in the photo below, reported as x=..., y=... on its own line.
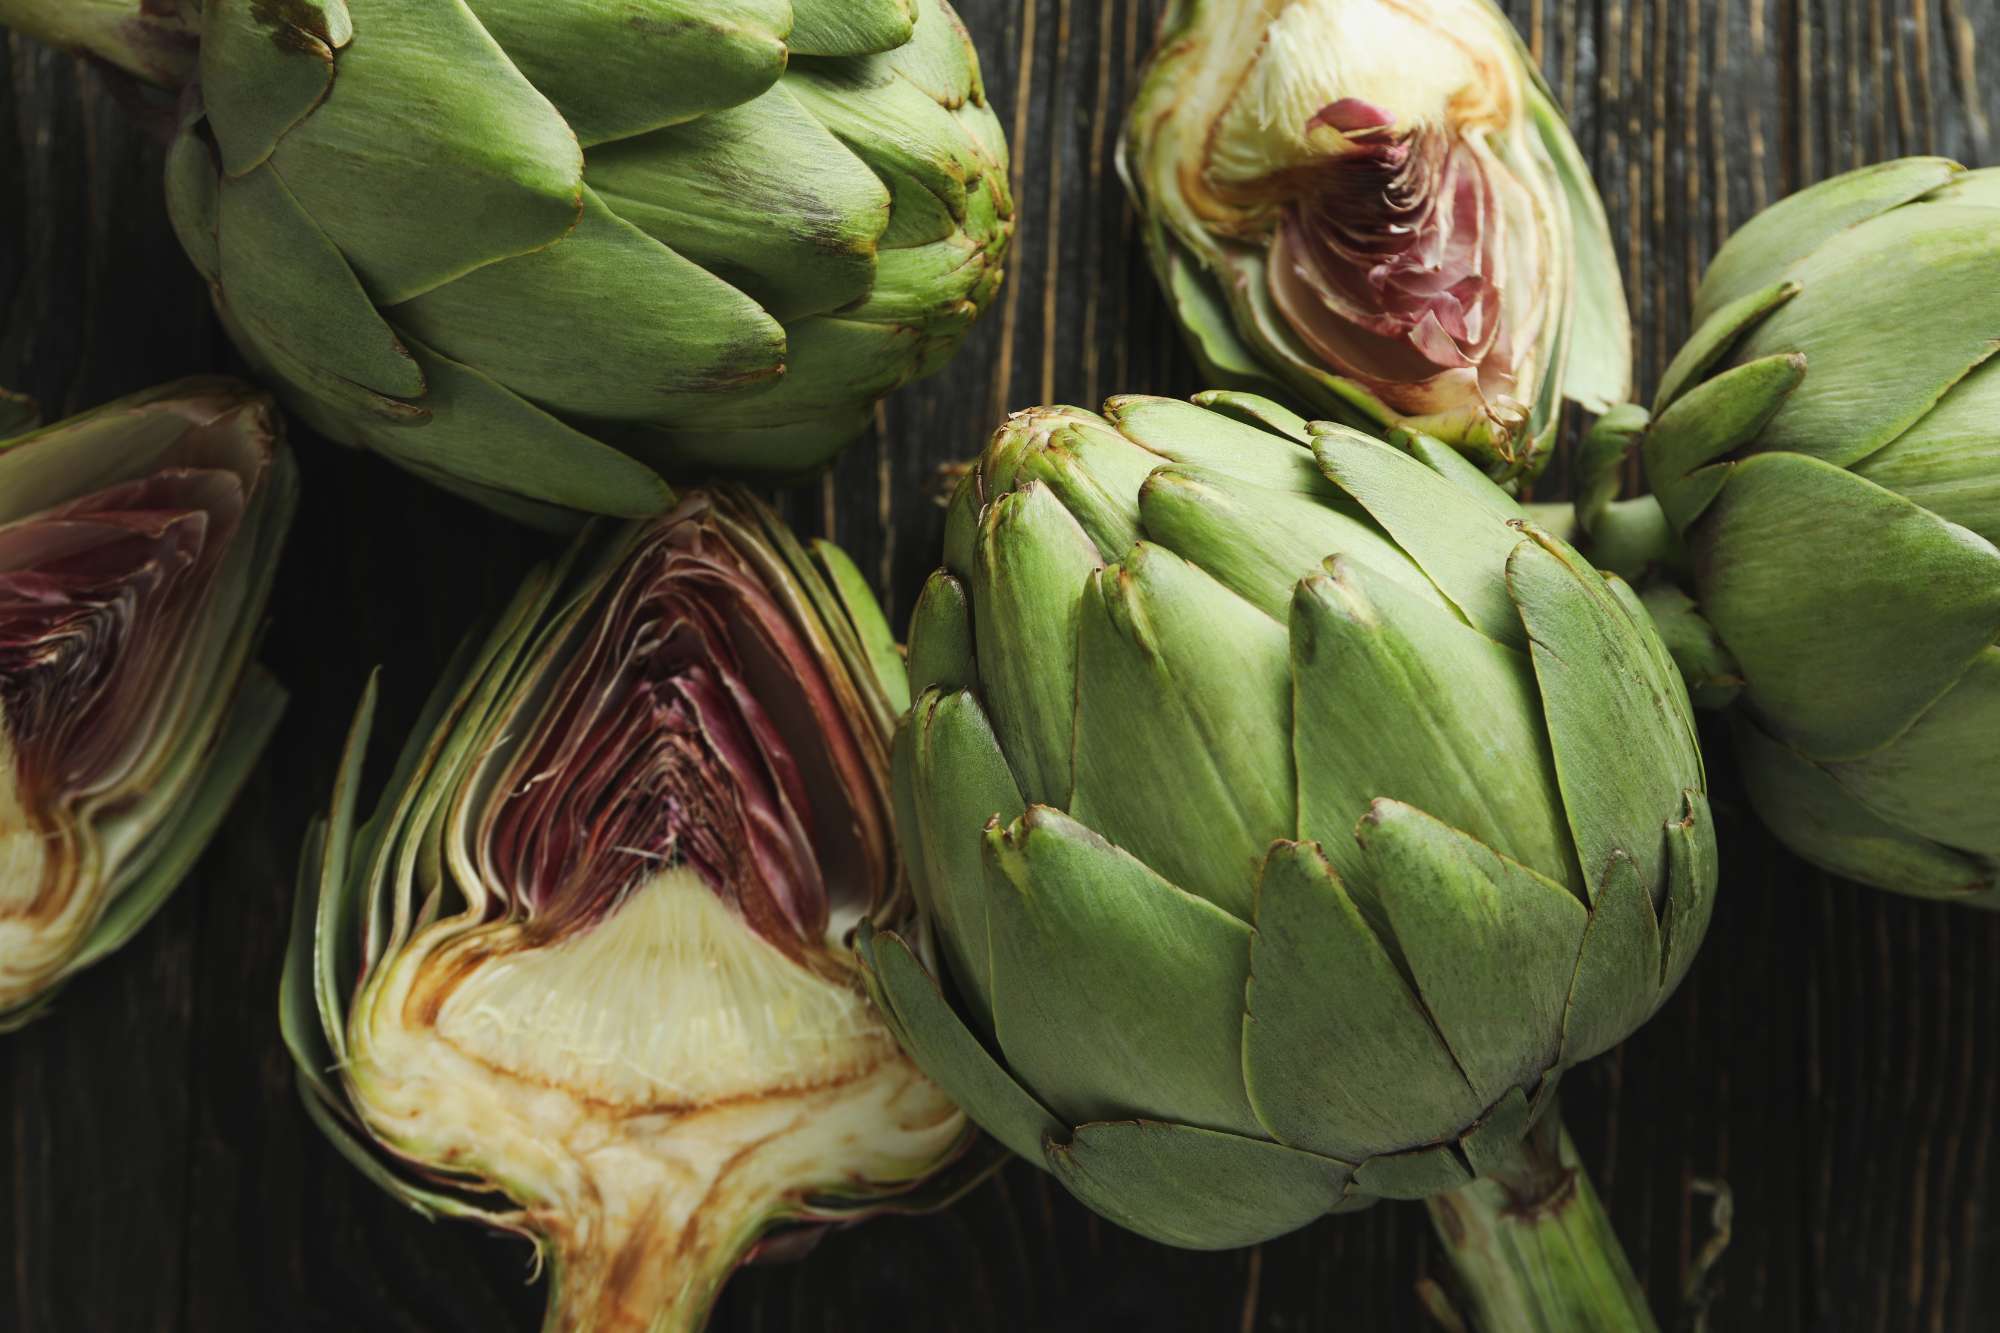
x=41, y=922
x=652, y=1085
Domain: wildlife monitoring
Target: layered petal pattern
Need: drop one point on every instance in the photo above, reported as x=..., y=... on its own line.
x=1827, y=446
x=1375, y=206
x=1289, y=812
x=544, y=253
x=137, y=546
x=583, y=976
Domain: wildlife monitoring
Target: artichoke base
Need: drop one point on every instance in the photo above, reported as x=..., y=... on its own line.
x=643, y=1191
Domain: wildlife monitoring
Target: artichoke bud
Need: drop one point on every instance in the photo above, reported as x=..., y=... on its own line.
x=1375, y=206
x=1843, y=517
x=1299, y=837
x=591, y=954
x=136, y=551
x=542, y=254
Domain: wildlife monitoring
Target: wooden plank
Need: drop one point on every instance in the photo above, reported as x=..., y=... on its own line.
x=1832, y=1058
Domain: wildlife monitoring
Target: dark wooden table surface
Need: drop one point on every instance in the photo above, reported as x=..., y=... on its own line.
x=1833, y=1058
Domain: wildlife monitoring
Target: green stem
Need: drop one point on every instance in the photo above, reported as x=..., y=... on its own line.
x=1533, y=1251
x=156, y=40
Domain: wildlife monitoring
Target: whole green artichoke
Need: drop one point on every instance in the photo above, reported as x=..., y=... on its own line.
x=539, y=252
x=584, y=974
x=1290, y=813
x=1375, y=206
x=137, y=547
x=1828, y=445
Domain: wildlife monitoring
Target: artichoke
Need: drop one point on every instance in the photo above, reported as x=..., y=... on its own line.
x=1828, y=446
x=1290, y=813
x=137, y=544
x=582, y=975
x=1375, y=207
x=540, y=252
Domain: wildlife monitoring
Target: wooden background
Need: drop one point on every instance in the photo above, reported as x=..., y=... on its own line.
x=1833, y=1058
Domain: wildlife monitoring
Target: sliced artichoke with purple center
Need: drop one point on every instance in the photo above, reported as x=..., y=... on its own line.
x=137, y=545
x=583, y=975
x=1375, y=208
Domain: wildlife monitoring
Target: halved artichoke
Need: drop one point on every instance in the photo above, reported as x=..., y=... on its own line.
x=137, y=546
x=1375, y=208
x=588, y=954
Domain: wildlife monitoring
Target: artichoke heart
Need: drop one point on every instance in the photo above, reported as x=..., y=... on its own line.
x=137, y=544
x=590, y=956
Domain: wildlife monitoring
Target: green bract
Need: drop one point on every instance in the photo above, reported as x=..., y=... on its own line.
x=1289, y=810
x=539, y=250
x=1375, y=206
x=137, y=545
x=1828, y=444
x=583, y=974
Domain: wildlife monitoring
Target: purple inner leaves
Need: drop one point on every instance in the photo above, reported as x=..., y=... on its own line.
x=694, y=724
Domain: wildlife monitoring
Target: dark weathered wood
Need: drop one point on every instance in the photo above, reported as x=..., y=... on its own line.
x=1832, y=1059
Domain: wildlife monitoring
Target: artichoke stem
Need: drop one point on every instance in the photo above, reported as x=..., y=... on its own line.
x=653, y=1281
x=1533, y=1251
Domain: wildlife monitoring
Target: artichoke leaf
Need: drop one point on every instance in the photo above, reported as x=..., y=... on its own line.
x=1941, y=778
x=1031, y=570
x=617, y=68
x=762, y=195
x=1866, y=389
x=501, y=173
x=1210, y=746
x=1843, y=648
x=264, y=69
x=949, y=1052
x=1340, y=1057
x=962, y=786
x=1115, y=993
x=1455, y=537
x=1180, y=432
x=1617, y=712
x=1782, y=235
x=1258, y=542
x=1808, y=810
x=941, y=654
x=1616, y=986
x=1490, y=944
x=1195, y=1188
x=1466, y=743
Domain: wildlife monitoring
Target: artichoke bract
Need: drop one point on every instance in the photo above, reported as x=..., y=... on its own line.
x=1290, y=813
x=1828, y=445
x=541, y=252
x=583, y=976
x=1375, y=206
x=137, y=546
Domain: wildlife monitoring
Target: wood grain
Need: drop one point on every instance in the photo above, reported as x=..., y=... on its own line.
x=1832, y=1059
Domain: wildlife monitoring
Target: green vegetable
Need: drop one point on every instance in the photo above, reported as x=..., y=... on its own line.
x=540, y=253
x=1828, y=446
x=583, y=974
x=137, y=545
x=1374, y=206
x=1290, y=813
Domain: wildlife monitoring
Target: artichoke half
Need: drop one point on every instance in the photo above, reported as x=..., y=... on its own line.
x=137, y=546
x=541, y=252
x=1828, y=446
x=1289, y=810
x=1374, y=206
x=582, y=974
